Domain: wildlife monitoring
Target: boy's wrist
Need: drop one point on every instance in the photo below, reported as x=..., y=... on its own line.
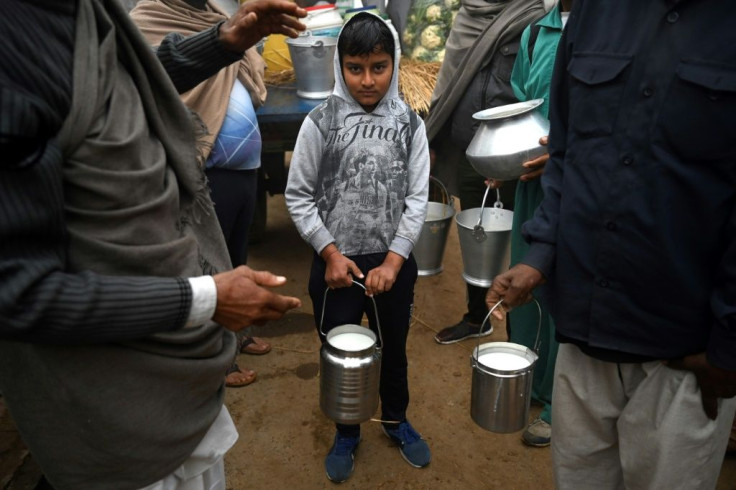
x=329, y=251
x=394, y=260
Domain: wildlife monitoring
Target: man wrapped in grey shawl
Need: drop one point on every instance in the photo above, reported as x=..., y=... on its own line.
x=480, y=29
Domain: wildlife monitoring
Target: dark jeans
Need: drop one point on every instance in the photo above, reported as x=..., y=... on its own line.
x=234, y=195
x=471, y=187
x=347, y=306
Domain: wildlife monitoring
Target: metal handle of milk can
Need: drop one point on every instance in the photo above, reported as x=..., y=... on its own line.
x=539, y=325
x=375, y=310
x=446, y=195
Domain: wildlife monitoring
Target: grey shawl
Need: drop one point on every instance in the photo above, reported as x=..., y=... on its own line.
x=123, y=416
x=480, y=28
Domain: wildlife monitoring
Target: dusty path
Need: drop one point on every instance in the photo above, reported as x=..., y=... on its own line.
x=284, y=435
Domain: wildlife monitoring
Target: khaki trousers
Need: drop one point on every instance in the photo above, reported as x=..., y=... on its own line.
x=633, y=426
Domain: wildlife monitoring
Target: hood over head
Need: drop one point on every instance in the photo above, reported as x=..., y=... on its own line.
x=341, y=90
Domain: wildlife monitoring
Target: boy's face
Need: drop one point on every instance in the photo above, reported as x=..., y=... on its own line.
x=368, y=77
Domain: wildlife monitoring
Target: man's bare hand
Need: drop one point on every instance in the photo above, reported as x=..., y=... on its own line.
x=514, y=287
x=256, y=19
x=714, y=382
x=494, y=183
x=536, y=166
x=243, y=300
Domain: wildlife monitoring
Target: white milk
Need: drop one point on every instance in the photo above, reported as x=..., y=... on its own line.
x=503, y=361
x=351, y=341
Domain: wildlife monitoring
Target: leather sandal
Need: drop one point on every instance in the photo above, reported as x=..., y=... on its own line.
x=255, y=346
x=237, y=377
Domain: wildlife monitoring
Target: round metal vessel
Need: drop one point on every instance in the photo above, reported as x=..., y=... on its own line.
x=349, y=375
x=508, y=136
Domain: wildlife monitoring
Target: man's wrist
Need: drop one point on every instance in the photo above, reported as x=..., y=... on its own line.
x=204, y=300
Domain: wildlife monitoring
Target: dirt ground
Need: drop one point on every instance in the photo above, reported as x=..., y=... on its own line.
x=284, y=436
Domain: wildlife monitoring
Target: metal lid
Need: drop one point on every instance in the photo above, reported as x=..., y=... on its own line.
x=508, y=110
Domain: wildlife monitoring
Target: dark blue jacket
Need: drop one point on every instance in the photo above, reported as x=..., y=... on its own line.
x=637, y=231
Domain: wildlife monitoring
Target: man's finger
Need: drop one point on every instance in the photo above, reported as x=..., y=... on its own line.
x=710, y=405
x=279, y=304
x=248, y=21
x=293, y=22
x=265, y=278
x=500, y=312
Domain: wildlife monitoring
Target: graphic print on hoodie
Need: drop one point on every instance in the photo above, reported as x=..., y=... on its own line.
x=360, y=179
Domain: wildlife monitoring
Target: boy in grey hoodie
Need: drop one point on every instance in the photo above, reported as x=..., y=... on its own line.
x=357, y=192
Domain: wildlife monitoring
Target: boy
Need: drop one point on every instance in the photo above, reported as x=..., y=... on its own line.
x=345, y=149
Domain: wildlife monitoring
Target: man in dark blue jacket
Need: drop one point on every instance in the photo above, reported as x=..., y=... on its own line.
x=636, y=238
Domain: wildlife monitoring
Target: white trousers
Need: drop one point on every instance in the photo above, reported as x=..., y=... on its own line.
x=205, y=468
x=633, y=426
x=211, y=479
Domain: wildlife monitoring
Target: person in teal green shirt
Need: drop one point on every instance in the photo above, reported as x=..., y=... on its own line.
x=530, y=79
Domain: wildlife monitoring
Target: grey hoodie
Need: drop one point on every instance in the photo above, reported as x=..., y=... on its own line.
x=360, y=179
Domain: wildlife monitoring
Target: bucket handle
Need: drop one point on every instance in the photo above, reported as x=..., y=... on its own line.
x=479, y=233
x=375, y=310
x=447, y=198
x=539, y=325
x=498, y=204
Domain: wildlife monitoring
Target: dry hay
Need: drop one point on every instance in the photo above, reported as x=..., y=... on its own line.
x=416, y=82
x=279, y=77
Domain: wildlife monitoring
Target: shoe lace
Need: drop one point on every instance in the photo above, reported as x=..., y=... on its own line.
x=407, y=433
x=345, y=445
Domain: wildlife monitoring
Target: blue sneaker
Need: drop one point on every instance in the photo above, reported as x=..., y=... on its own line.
x=412, y=447
x=339, y=462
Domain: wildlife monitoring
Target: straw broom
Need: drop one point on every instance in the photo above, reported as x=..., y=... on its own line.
x=416, y=82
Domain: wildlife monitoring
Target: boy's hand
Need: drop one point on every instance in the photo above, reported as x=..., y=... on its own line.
x=256, y=19
x=340, y=269
x=383, y=277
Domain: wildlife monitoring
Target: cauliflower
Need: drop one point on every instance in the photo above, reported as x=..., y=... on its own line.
x=452, y=4
x=420, y=54
x=434, y=13
x=440, y=56
x=408, y=37
x=432, y=37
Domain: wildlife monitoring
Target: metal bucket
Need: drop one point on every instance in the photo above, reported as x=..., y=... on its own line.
x=312, y=57
x=430, y=247
x=502, y=383
x=485, y=242
x=350, y=368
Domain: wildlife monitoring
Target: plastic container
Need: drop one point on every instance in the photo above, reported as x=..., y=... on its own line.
x=370, y=8
x=323, y=20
